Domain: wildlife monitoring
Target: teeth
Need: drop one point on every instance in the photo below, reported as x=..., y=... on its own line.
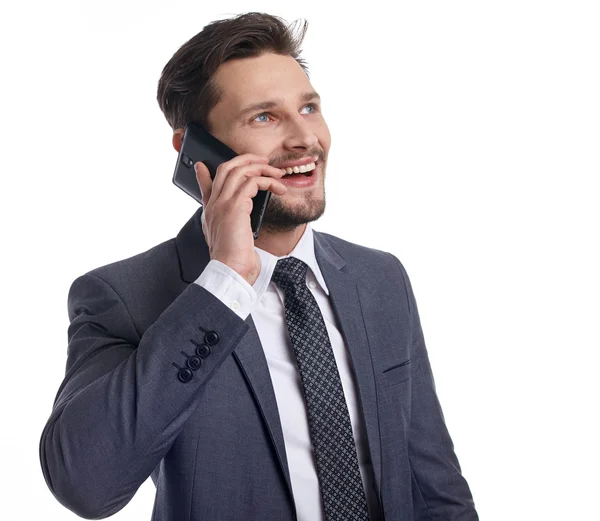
x=299, y=169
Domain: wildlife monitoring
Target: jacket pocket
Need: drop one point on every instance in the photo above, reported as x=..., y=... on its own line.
x=397, y=373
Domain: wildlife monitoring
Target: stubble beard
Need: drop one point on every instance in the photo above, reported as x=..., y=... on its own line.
x=282, y=218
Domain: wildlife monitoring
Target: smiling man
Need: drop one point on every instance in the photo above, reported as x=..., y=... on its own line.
x=282, y=378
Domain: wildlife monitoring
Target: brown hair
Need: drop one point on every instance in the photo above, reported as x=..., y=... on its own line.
x=186, y=90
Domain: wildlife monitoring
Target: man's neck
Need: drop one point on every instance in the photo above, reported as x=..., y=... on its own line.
x=279, y=243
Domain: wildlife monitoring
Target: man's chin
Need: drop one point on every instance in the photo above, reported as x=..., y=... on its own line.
x=281, y=218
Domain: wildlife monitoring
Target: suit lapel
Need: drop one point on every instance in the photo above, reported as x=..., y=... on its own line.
x=251, y=357
x=345, y=297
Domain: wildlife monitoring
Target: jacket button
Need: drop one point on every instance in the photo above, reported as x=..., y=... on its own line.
x=211, y=338
x=203, y=350
x=185, y=374
x=193, y=362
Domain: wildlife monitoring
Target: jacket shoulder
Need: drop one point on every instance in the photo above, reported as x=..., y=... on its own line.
x=358, y=254
x=368, y=264
x=146, y=283
x=158, y=261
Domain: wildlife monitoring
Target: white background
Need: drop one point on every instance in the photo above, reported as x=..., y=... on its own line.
x=465, y=141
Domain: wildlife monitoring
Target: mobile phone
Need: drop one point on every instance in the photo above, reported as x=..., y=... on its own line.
x=199, y=145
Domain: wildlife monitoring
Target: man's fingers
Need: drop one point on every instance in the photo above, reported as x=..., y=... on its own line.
x=253, y=184
x=238, y=176
x=224, y=169
x=204, y=181
x=235, y=176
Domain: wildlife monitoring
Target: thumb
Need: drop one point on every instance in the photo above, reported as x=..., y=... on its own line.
x=204, y=181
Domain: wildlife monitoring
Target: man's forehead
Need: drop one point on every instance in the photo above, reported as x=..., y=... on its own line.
x=250, y=80
x=269, y=98
x=262, y=83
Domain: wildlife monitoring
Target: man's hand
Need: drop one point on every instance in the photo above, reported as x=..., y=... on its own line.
x=227, y=206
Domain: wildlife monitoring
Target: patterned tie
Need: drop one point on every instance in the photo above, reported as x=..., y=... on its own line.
x=328, y=419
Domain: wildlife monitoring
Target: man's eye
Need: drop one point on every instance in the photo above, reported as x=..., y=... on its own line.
x=260, y=115
x=265, y=114
x=313, y=106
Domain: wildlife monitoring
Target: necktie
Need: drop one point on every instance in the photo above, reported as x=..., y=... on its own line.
x=329, y=424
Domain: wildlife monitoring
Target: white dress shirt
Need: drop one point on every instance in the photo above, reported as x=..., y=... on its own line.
x=264, y=301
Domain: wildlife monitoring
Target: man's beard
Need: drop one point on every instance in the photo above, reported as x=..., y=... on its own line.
x=280, y=218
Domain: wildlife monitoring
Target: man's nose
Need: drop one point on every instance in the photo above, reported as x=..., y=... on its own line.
x=300, y=133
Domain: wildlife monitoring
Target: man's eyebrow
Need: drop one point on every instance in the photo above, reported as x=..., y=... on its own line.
x=265, y=105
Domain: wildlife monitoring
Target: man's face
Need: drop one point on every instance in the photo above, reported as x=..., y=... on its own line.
x=292, y=129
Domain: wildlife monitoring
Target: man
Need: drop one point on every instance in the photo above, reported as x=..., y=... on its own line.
x=253, y=380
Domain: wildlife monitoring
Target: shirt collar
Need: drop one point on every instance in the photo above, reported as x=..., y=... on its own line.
x=304, y=250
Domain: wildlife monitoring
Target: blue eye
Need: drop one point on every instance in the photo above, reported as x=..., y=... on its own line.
x=263, y=114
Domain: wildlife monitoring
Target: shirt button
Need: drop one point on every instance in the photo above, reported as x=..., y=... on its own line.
x=312, y=284
x=235, y=305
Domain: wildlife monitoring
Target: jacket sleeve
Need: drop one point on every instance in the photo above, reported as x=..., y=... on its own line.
x=124, y=399
x=440, y=491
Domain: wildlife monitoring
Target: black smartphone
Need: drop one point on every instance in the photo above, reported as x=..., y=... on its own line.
x=199, y=145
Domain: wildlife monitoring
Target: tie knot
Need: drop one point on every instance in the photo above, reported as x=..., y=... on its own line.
x=289, y=272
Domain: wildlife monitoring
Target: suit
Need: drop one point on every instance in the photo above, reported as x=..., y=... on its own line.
x=210, y=438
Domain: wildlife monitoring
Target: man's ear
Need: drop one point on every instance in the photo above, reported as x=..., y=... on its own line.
x=177, y=137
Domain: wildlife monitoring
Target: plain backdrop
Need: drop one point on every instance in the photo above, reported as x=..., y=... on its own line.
x=465, y=140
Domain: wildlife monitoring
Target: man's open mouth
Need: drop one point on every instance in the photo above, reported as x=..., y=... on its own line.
x=305, y=170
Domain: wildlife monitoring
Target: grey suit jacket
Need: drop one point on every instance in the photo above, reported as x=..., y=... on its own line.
x=129, y=407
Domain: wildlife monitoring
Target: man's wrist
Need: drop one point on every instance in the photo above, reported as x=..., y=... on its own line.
x=229, y=287
x=249, y=276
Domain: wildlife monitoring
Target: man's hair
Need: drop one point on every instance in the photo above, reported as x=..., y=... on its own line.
x=187, y=90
